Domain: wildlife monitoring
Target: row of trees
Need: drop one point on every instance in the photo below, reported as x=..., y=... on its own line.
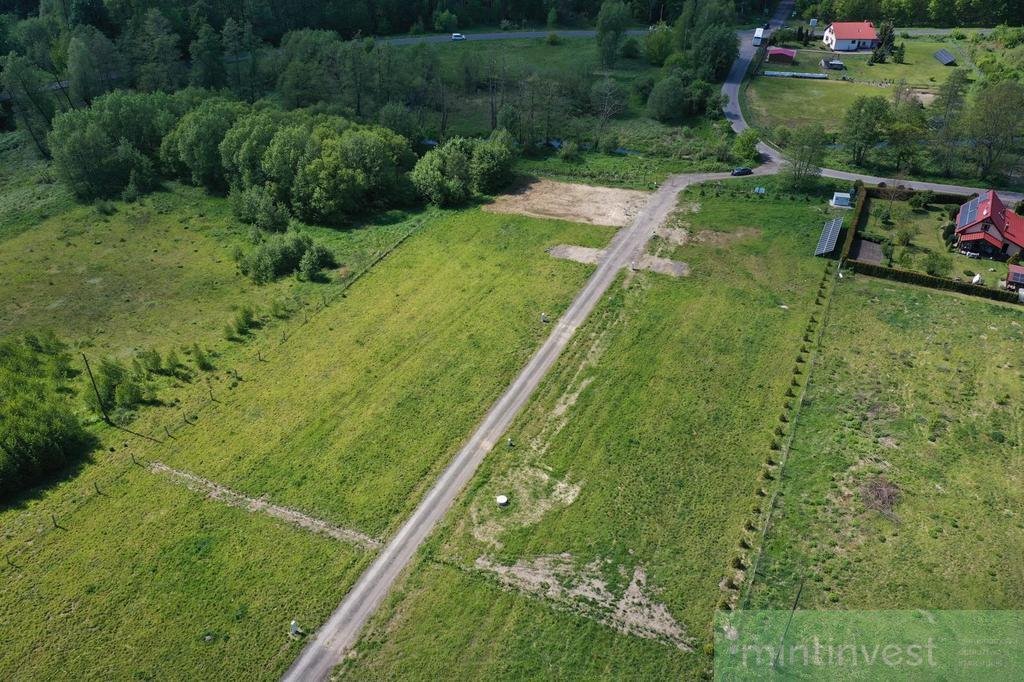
x=982, y=127
x=916, y=12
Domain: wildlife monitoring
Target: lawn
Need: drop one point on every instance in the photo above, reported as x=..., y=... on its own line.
x=922, y=389
x=348, y=420
x=792, y=102
x=925, y=226
x=28, y=190
x=637, y=463
x=358, y=410
x=606, y=170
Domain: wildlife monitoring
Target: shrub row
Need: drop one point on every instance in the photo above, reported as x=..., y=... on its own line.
x=929, y=281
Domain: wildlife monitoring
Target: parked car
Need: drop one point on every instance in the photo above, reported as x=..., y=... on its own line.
x=742, y=171
x=458, y=36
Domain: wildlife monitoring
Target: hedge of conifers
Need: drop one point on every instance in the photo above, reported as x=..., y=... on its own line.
x=930, y=281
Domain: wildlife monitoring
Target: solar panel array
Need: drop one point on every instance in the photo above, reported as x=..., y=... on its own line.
x=946, y=57
x=969, y=212
x=829, y=235
x=1017, y=277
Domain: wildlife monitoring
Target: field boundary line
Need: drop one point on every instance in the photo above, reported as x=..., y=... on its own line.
x=233, y=498
x=787, y=443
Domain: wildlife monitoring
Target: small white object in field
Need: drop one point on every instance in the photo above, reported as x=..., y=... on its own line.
x=784, y=306
x=840, y=275
x=294, y=630
x=544, y=318
x=502, y=500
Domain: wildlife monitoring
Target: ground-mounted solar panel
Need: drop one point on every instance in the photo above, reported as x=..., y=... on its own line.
x=945, y=57
x=1017, y=277
x=829, y=235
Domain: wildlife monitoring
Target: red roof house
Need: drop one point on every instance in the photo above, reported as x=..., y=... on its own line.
x=848, y=36
x=781, y=55
x=986, y=227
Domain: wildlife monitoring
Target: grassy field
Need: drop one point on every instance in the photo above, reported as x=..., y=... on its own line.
x=791, y=102
x=347, y=420
x=383, y=386
x=922, y=389
x=630, y=172
x=920, y=68
x=28, y=192
x=637, y=463
x=157, y=273
x=926, y=227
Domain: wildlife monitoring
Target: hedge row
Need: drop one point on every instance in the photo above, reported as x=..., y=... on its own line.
x=930, y=281
x=858, y=213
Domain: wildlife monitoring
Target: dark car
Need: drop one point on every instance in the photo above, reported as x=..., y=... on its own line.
x=742, y=171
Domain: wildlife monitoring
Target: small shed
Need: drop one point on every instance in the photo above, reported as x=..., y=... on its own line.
x=945, y=57
x=841, y=200
x=833, y=64
x=1015, y=278
x=781, y=55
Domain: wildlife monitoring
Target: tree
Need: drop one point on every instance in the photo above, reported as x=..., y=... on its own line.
x=607, y=100
x=864, y=126
x=552, y=22
x=93, y=62
x=805, y=154
x=665, y=102
x=193, y=146
x=744, y=147
x=612, y=21
x=994, y=122
x=905, y=131
x=160, y=67
x=33, y=109
x=714, y=51
x=207, y=59
x=243, y=147
x=288, y=150
x=947, y=127
x=442, y=176
x=658, y=44
x=398, y=118
x=490, y=166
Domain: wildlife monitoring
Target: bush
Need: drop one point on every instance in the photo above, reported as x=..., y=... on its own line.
x=921, y=200
x=609, y=143
x=278, y=256
x=244, y=320
x=201, y=359
x=554, y=39
x=658, y=44
x=445, y=21
x=630, y=48
x=257, y=206
x=937, y=265
x=642, y=87
x=569, y=151
x=490, y=166
x=316, y=258
x=39, y=434
x=442, y=176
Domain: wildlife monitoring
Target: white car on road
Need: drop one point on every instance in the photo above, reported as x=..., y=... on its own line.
x=458, y=36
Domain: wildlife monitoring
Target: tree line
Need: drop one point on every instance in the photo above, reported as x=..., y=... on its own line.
x=916, y=12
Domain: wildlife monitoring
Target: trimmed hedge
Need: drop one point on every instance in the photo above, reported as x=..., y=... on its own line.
x=858, y=213
x=930, y=281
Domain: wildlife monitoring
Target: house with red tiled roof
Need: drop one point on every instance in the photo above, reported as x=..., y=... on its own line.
x=849, y=36
x=986, y=227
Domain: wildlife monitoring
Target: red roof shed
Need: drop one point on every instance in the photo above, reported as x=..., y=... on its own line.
x=781, y=55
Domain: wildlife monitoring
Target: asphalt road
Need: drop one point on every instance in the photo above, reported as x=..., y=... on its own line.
x=500, y=35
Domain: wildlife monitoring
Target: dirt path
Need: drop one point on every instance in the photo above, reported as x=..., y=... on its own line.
x=232, y=498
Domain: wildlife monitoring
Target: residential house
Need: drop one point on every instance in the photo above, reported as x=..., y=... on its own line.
x=986, y=227
x=850, y=36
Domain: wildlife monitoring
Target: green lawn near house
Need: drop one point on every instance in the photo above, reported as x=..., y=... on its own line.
x=791, y=102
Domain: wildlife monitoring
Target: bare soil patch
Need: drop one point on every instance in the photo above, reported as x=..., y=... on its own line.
x=580, y=254
x=559, y=579
x=533, y=493
x=215, y=491
x=665, y=266
x=566, y=201
x=714, y=238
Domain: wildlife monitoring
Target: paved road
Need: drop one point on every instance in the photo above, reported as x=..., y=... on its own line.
x=501, y=35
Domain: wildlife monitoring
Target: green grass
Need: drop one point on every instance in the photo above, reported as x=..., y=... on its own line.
x=678, y=385
x=361, y=407
x=137, y=577
x=927, y=227
x=924, y=388
x=349, y=420
x=920, y=69
x=792, y=102
x=157, y=273
x=28, y=191
x=628, y=171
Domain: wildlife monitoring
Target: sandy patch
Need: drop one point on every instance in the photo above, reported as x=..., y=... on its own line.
x=673, y=235
x=713, y=238
x=664, y=266
x=532, y=493
x=584, y=590
x=580, y=254
x=578, y=203
x=232, y=498
x=924, y=97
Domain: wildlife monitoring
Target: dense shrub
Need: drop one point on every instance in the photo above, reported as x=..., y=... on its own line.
x=192, y=148
x=316, y=258
x=490, y=166
x=257, y=206
x=39, y=433
x=282, y=255
x=442, y=176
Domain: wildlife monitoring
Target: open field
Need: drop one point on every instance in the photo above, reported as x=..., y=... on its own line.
x=345, y=422
x=28, y=191
x=632, y=474
x=383, y=386
x=920, y=389
x=603, y=170
x=157, y=273
x=791, y=102
x=926, y=228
